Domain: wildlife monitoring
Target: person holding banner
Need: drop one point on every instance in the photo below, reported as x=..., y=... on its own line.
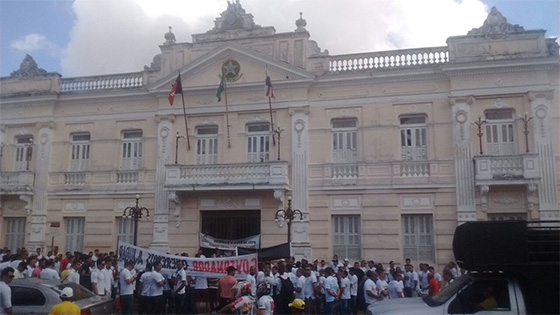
x=127, y=277
x=179, y=284
x=225, y=287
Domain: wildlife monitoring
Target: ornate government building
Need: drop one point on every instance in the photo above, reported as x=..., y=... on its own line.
x=384, y=153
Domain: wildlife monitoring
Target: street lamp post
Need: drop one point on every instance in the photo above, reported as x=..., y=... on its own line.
x=135, y=213
x=526, y=121
x=479, y=124
x=288, y=215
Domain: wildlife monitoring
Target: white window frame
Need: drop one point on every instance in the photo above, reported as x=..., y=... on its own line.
x=79, y=152
x=500, y=132
x=131, y=150
x=414, y=138
x=347, y=236
x=418, y=237
x=125, y=230
x=15, y=233
x=75, y=230
x=345, y=140
x=258, y=142
x=207, y=144
x=24, y=152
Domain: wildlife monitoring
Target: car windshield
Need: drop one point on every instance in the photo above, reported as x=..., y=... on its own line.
x=447, y=292
x=79, y=291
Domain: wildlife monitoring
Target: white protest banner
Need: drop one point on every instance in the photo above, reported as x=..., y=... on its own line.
x=194, y=266
x=208, y=241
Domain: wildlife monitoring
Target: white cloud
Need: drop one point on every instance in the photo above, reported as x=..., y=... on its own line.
x=123, y=36
x=32, y=42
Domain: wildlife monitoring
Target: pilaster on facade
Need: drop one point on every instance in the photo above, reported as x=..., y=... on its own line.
x=464, y=172
x=301, y=248
x=40, y=199
x=160, y=239
x=543, y=135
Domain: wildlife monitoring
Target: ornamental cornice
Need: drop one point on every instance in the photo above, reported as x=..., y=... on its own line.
x=46, y=124
x=533, y=95
x=345, y=81
x=160, y=118
x=496, y=68
x=462, y=99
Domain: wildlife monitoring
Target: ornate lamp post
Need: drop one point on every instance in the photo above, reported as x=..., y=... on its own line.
x=526, y=121
x=28, y=153
x=287, y=215
x=135, y=213
x=479, y=124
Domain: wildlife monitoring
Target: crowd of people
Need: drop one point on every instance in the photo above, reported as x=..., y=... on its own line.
x=278, y=287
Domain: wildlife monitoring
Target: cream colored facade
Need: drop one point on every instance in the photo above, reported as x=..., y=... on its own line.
x=378, y=150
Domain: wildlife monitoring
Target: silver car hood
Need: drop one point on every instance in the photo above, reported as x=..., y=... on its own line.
x=402, y=306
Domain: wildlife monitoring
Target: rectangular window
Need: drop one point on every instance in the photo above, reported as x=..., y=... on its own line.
x=258, y=143
x=24, y=152
x=132, y=150
x=418, y=237
x=345, y=140
x=125, y=230
x=346, y=236
x=15, y=233
x=207, y=145
x=414, y=146
x=79, y=159
x=75, y=234
x=500, y=132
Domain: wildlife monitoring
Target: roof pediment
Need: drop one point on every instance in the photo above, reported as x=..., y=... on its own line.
x=251, y=67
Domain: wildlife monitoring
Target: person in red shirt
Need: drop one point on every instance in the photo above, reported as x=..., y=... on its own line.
x=225, y=287
x=433, y=284
x=64, y=263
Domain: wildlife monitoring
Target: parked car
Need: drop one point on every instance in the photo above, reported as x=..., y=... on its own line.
x=37, y=296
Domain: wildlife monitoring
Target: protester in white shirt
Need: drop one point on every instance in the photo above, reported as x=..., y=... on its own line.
x=107, y=277
x=98, y=279
x=370, y=289
x=6, y=277
x=382, y=286
x=396, y=287
x=300, y=283
x=345, y=286
x=252, y=280
x=74, y=275
x=353, y=289
x=49, y=272
x=127, y=277
x=157, y=303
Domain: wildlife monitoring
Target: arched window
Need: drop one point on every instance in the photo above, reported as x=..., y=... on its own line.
x=207, y=144
x=500, y=134
x=131, y=150
x=345, y=140
x=258, y=142
x=414, y=135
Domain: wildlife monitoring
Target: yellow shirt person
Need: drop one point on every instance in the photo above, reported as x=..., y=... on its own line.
x=65, y=307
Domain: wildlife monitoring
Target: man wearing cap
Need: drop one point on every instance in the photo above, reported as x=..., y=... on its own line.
x=225, y=287
x=66, y=307
x=297, y=306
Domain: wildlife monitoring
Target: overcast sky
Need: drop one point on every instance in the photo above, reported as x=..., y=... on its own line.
x=92, y=37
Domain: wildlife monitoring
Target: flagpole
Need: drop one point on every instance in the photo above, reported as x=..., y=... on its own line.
x=271, y=121
x=227, y=112
x=186, y=124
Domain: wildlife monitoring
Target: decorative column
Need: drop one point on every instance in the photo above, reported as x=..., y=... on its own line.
x=542, y=110
x=301, y=248
x=464, y=171
x=42, y=152
x=160, y=238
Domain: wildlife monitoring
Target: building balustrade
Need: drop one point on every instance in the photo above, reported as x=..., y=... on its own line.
x=266, y=175
x=396, y=59
x=127, y=177
x=105, y=82
x=75, y=178
x=16, y=182
x=390, y=172
x=506, y=168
